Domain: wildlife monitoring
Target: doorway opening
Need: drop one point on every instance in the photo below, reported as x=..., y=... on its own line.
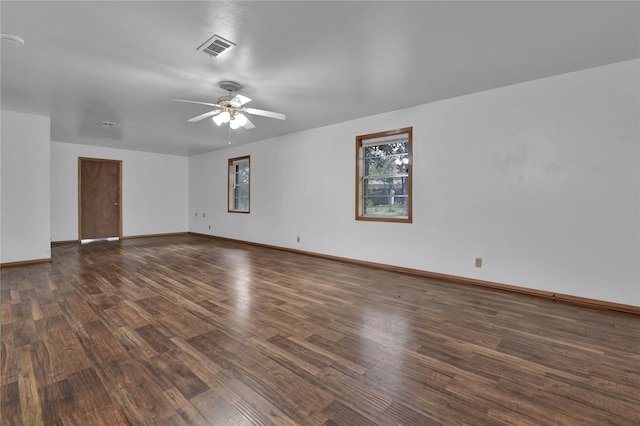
x=99, y=199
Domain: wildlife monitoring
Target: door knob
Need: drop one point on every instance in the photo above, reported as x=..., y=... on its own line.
x=115, y=204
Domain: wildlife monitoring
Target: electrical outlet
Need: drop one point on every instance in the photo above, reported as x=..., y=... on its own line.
x=478, y=262
x=298, y=238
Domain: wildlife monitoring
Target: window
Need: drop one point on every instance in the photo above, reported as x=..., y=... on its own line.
x=383, y=176
x=239, y=184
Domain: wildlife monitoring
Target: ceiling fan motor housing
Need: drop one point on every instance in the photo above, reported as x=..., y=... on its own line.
x=225, y=101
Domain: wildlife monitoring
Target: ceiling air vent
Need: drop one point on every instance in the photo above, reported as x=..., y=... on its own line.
x=216, y=46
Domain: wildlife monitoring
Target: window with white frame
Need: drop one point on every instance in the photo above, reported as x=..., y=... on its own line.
x=383, y=176
x=239, y=184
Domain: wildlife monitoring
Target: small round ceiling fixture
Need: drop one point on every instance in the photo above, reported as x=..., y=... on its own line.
x=13, y=37
x=230, y=86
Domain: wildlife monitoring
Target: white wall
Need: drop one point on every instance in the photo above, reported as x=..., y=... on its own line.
x=540, y=179
x=25, y=226
x=154, y=190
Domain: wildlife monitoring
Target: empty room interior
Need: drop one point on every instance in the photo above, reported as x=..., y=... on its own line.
x=320, y=212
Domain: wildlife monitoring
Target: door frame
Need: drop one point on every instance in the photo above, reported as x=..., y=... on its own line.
x=103, y=160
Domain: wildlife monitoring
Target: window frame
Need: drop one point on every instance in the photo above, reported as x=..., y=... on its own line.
x=360, y=203
x=232, y=184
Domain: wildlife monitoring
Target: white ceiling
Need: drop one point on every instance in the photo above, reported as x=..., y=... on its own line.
x=319, y=62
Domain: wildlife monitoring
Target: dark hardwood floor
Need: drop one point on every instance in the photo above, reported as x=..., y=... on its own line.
x=190, y=330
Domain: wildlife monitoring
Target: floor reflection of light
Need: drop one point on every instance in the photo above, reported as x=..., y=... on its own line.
x=93, y=240
x=389, y=330
x=242, y=273
x=243, y=294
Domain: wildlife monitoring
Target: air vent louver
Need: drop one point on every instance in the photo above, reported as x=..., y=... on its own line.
x=216, y=46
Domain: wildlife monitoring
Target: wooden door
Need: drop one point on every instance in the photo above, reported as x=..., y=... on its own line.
x=99, y=198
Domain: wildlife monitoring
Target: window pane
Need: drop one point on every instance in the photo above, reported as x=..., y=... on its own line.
x=241, y=203
x=388, y=159
x=396, y=145
x=386, y=197
x=390, y=165
x=242, y=174
x=241, y=192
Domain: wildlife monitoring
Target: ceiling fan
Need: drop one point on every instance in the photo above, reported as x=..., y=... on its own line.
x=230, y=109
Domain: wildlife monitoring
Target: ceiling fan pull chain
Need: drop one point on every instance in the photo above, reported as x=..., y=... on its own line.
x=229, y=132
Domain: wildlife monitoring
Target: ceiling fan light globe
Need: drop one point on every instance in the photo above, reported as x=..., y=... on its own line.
x=241, y=120
x=223, y=117
x=234, y=124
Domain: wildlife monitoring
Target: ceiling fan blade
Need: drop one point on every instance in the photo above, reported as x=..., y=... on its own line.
x=197, y=102
x=249, y=124
x=264, y=113
x=205, y=115
x=239, y=100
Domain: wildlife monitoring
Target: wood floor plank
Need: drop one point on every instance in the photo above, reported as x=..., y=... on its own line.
x=341, y=414
x=352, y=392
x=285, y=351
x=184, y=408
x=63, y=342
x=134, y=343
x=24, y=328
x=179, y=321
x=30, y=406
x=10, y=410
x=171, y=373
x=217, y=410
x=125, y=314
x=252, y=405
x=354, y=355
x=49, y=361
x=103, y=340
x=141, y=398
x=298, y=399
x=157, y=340
x=75, y=305
x=188, y=330
x=8, y=365
x=201, y=366
x=58, y=402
